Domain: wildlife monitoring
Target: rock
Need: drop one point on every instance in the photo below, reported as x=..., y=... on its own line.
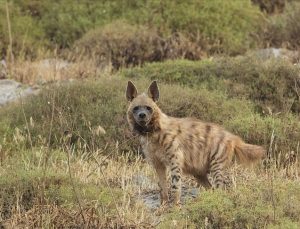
x=151, y=198
x=282, y=53
x=58, y=64
x=11, y=90
x=3, y=69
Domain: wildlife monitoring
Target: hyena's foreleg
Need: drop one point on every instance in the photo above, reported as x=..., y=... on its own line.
x=175, y=176
x=162, y=183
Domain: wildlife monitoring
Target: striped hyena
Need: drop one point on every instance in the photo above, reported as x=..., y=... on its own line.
x=183, y=145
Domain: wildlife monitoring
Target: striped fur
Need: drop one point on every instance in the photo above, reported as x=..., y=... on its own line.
x=185, y=145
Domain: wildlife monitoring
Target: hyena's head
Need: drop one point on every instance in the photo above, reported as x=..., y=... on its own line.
x=143, y=112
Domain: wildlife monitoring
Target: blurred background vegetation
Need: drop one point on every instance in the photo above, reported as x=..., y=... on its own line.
x=214, y=27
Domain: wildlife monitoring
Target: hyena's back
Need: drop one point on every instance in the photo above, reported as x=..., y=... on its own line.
x=208, y=148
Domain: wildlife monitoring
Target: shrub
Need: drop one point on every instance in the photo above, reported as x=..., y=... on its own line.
x=284, y=29
x=271, y=84
x=126, y=45
x=215, y=26
x=63, y=22
x=270, y=7
x=223, y=26
x=27, y=37
x=42, y=24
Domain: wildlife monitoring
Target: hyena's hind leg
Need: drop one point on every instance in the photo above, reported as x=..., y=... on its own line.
x=220, y=177
x=219, y=161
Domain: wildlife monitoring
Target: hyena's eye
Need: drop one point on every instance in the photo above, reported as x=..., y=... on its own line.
x=148, y=108
x=135, y=108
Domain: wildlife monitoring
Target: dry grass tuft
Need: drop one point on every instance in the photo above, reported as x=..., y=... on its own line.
x=51, y=70
x=111, y=195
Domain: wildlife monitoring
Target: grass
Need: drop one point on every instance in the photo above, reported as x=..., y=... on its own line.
x=271, y=84
x=109, y=195
x=262, y=204
x=47, y=69
x=104, y=195
x=92, y=115
x=68, y=158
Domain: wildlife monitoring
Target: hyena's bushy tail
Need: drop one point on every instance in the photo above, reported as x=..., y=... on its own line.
x=247, y=153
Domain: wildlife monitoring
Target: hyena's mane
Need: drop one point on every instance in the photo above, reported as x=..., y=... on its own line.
x=152, y=127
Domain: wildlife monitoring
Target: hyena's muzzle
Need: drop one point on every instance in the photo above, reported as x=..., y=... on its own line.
x=142, y=114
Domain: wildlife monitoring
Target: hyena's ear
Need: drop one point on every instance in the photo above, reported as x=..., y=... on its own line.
x=131, y=91
x=153, y=91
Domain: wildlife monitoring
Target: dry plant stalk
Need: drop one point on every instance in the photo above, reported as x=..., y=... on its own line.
x=9, y=51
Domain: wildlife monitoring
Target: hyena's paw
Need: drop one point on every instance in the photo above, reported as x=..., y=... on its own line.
x=163, y=208
x=178, y=206
x=177, y=201
x=164, y=197
x=164, y=202
x=175, y=198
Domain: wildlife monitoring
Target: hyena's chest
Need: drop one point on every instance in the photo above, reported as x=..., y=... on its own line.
x=153, y=150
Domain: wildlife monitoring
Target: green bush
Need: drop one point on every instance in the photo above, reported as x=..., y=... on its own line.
x=270, y=7
x=271, y=84
x=216, y=26
x=63, y=22
x=46, y=24
x=284, y=29
x=230, y=27
x=27, y=37
x=124, y=45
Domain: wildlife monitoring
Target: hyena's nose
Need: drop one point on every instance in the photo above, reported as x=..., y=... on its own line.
x=142, y=115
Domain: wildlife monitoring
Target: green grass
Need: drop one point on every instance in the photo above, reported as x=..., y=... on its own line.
x=248, y=206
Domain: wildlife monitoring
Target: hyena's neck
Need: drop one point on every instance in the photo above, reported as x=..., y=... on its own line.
x=152, y=127
x=145, y=130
